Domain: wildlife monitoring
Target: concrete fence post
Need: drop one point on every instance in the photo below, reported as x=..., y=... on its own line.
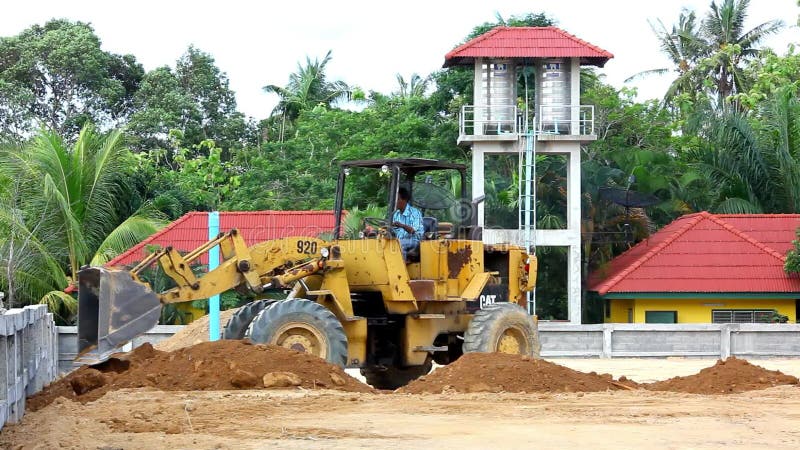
x=725, y=341
x=608, y=328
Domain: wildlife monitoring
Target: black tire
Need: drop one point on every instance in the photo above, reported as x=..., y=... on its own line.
x=304, y=326
x=237, y=325
x=392, y=378
x=502, y=328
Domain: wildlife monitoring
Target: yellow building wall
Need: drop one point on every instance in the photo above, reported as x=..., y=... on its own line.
x=192, y=313
x=694, y=310
x=619, y=311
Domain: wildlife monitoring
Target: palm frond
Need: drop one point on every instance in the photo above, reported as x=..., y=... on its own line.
x=737, y=206
x=61, y=304
x=129, y=233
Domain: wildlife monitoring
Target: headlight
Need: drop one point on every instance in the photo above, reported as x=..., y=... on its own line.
x=325, y=252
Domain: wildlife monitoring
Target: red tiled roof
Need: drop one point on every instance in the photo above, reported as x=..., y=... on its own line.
x=705, y=252
x=774, y=230
x=191, y=230
x=527, y=42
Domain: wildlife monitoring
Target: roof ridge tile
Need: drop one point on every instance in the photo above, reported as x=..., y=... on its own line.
x=154, y=236
x=748, y=238
x=606, y=286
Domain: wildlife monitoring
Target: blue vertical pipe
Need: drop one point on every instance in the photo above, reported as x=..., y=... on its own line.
x=213, y=262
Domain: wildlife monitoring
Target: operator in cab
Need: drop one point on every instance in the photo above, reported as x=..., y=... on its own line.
x=407, y=223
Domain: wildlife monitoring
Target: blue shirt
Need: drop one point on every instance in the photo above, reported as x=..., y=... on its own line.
x=412, y=217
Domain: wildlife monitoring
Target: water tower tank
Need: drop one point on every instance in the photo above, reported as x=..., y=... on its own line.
x=553, y=95
x=498, y=88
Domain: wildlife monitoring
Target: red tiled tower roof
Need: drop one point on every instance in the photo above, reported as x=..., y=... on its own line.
x=191, y=230
x=703, y=252
x=527, y=42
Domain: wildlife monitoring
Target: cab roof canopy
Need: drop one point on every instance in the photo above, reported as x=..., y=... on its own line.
x=405, y=164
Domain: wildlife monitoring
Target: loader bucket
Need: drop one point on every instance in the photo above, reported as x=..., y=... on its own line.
x=113, y=308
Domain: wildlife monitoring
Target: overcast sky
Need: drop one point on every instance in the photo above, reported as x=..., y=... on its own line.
x=259, y=42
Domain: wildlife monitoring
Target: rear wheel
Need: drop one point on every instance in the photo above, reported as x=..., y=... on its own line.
x=394, y=377
x=302, y=325
x=237, y=325
x=502, y=328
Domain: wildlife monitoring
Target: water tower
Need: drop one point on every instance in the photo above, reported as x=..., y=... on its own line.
x=545, y=62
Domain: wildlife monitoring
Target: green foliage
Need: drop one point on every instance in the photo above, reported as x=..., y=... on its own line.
x=300, y=173
x=67, y=201
x=709, y=58
x=198, y=178
x=770, y=73
x=750, y=165
x=527, y=20
x=56, y=75
x=307, y=89
x=61, y=210
x=353, y=222
x=195, y=99
x=792, y=264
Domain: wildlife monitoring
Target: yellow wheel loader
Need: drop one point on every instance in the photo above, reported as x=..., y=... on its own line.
x=356, y=301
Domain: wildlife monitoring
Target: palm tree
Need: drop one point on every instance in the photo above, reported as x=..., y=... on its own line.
x=754, y=169
x=781, y=134
x=307, y=88
x=684, y=47
x=415, y=87
x=710, y=57
x=730, y=45
x=62, y=211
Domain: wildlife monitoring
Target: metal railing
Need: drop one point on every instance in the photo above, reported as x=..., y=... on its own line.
x=476, y=120
x=566, y=120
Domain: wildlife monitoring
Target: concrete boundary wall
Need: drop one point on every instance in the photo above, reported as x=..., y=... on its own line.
x=29, y=361
x=624, y=340
x=68, y=343
x=610, y=340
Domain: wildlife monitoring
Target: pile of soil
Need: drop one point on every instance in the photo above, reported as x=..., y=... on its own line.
x=498, y=372
x=194, y=333
x=219, y=365
x=725, y=377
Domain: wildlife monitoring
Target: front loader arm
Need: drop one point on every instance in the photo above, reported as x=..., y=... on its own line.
x=115, y=306
x=270, y=264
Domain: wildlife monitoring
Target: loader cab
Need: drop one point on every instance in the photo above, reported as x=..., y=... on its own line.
x=437, y=188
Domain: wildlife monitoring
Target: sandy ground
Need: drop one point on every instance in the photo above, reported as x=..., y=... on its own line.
x=146, y=419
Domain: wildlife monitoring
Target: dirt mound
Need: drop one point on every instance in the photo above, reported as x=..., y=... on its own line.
x=194, y=333
x=497, y=372
x=219, y=365
x=725, y=377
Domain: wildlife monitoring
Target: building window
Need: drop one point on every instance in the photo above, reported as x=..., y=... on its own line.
x=743, y=315
x=608, y=308
x=661, y=317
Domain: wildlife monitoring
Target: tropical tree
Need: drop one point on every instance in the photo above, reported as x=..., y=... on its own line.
x=62, y=211
x=307, y=88
x=770, y=73
x=710, y=57
x=683, y=45
x=414, y=87
x=56, y=75
x=194, y=99
x=198, y=178
x=753, y=166
x=730, y=45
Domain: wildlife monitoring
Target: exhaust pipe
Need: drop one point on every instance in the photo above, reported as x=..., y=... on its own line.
x=113, y=308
